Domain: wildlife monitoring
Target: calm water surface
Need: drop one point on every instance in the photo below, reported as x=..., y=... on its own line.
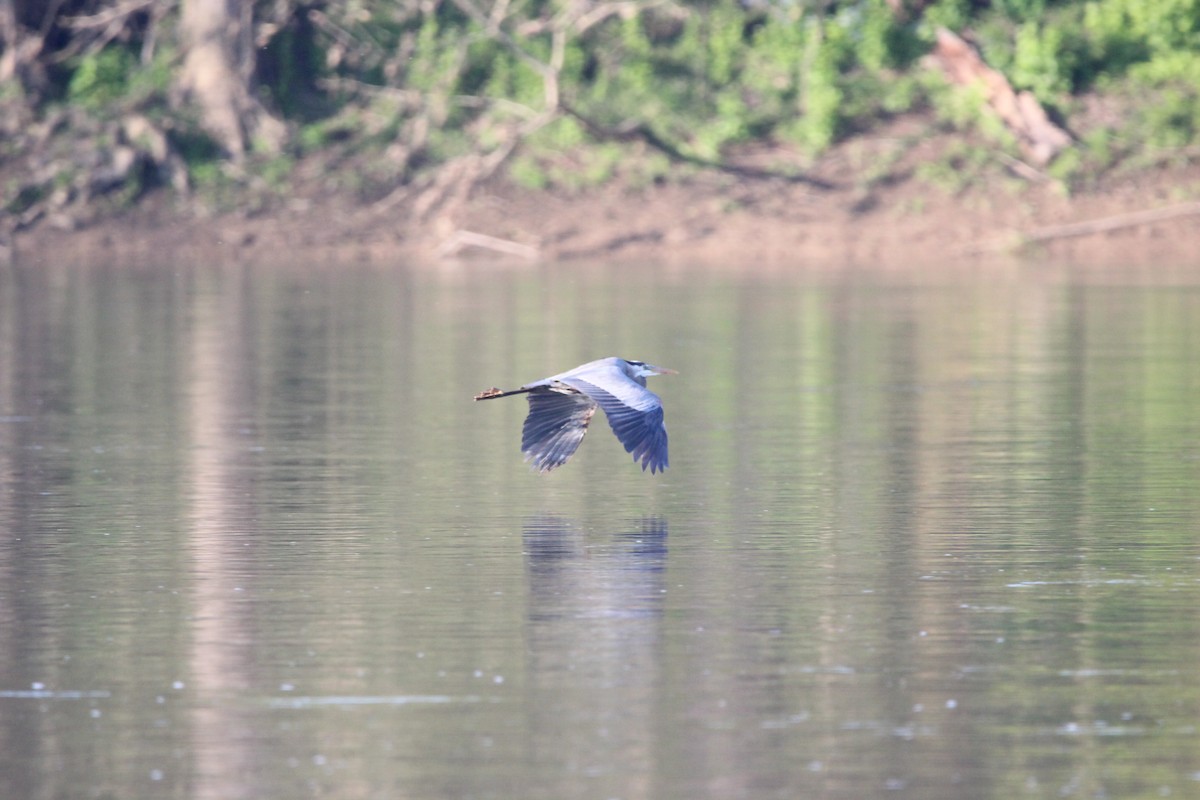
x=923, y=537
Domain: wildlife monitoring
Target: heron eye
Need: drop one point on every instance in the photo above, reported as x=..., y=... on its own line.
x=638, y=363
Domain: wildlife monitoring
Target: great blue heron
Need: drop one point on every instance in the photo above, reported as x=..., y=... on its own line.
x=561, y=406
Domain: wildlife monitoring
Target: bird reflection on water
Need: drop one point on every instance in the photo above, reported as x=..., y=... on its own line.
x=595, y=632
x=574, y=573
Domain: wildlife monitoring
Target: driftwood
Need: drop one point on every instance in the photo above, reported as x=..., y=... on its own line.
x=1040, y=139
x=462, y=239
x=1088, y=227
x=1106, y=224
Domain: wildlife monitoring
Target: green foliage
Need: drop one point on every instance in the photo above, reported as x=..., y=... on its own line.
x=1072, y=46
x=1173, y=120
x=198, y=149
x=1069, y=167
x=884, y=41
x=821, y=92
x=289, y=68
x=101, y=78
x=527, y=172
x=1145, y=56
x=22, y=198
x=1163, y=25
x=955, y=15
x=1044, y=60
x=694, y=80
x=959, y=166
x=149, y=81
x=276, y=170
x=726, y=76
x=558, y=156
x=496, y=75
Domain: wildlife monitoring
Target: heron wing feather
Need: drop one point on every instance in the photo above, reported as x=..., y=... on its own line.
x=555, y=426
x=634, y=412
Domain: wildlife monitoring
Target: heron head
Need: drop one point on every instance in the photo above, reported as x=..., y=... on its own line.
x=640, y=369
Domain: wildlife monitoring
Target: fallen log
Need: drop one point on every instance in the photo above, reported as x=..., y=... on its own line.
x=462, y=239
x=1112, y=223
x=1039, y=138
x=1087, y=227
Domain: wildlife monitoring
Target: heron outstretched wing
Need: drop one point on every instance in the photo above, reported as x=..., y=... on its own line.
x=555, y=426
x=561, y=406
x=634, y=412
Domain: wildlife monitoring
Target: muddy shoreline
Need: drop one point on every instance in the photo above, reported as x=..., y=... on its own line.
x=706, y=219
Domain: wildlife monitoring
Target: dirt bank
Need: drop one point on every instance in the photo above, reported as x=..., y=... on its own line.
x=733, y=219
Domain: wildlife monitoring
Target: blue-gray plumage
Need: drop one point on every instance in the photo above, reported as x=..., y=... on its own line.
x=561, y=406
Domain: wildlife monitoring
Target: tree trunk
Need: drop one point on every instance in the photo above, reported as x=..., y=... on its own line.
x=21, y=26
x=219, y=61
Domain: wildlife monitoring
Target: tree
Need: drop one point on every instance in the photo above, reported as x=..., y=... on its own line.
x=23, y=28
x=218, y=43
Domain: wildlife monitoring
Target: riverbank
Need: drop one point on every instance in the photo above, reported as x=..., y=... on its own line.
x=736, y=218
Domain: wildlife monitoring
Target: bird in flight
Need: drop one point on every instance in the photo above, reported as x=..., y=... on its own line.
x=561, y=406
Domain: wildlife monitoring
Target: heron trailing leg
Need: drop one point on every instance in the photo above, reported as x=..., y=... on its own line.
x=493, y=393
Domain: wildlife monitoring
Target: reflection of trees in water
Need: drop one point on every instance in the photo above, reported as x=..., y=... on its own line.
x=219, y=393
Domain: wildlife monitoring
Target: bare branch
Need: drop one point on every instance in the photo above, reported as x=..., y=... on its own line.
x=462, y=239
x=102, y=27
x=493, y=29
x=102, y=19
x=408, y=97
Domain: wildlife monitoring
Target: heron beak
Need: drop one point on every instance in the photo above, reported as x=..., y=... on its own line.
x=660, y=370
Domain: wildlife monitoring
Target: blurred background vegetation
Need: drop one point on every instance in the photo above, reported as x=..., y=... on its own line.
x=105, y=100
